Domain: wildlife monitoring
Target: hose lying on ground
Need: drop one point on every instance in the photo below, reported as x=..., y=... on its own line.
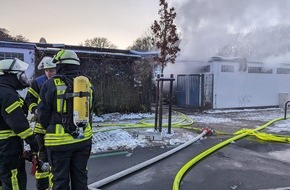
x=239, y=135
x=123, y=173
x=182, y=121
x=185, y=122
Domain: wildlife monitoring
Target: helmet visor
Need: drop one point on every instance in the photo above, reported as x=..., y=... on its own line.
x=22, y=78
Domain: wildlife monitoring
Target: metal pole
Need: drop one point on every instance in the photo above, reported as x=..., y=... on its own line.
x=157, y=101
x=202, y=104
x=160, y=103
x=170, y=104
x=285, y=111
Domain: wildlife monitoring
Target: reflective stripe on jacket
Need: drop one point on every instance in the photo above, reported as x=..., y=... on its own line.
x=39, y=129
x=56, y=134
x=32, y=97
x=5, y=134
x=60, y=137
x=14, y=126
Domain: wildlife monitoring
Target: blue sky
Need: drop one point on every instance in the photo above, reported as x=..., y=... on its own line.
x=73, y=21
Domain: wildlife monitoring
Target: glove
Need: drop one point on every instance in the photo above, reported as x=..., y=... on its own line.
x=31, y=140
x=33, y=118
x=34, y=112
x=42, y=155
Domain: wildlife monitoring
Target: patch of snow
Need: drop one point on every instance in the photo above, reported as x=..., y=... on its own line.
x=135, y=116
x=240, y=110
x=117, y=131
x=283, y=155
x=114, y=140
x=281, y=126
x=117, y=117
x=210, y=119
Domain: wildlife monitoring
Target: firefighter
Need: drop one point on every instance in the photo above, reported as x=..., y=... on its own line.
x=14, y=126
x=32, y=97
x=68, y=146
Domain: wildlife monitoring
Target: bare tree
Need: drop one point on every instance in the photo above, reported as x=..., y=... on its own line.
x=20, y=38
x=166, y=34
x=144, y=43
x=5, y=36
x=99, y=42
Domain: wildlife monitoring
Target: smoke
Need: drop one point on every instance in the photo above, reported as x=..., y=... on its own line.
x=254, y=29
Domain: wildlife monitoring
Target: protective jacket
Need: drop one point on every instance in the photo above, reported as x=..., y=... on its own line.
x=13, y=122
x=32, y=99
x=55, y=113
x=14, y=128
x=33, y=93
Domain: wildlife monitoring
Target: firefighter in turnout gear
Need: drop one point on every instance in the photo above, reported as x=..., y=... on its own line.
x=32, y=99
x=14, y=126
x=68, y=132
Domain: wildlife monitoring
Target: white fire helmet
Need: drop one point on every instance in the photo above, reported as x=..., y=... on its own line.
x=15, y=66
x=66, y=57
x=12, y=66
x=46, y=63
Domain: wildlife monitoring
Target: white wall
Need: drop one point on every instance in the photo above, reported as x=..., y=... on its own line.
x=243, y=89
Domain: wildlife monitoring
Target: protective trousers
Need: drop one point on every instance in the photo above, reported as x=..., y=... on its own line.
x=12, y=172
x=42, y=177
x=69, y=168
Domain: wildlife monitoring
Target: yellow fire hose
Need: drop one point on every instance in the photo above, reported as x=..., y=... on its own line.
x=186, y=122
x=239, y=135
x=182, y=121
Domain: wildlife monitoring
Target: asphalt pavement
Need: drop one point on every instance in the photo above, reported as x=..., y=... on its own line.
x=246, y=164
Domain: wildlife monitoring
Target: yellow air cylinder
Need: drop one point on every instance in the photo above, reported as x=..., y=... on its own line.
x=81, y=101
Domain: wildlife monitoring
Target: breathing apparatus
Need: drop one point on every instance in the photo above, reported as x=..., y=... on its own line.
x=80, y=92
x=81, y=103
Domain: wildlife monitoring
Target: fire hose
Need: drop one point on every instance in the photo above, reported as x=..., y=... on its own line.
x=123, y=173
x=239, y=135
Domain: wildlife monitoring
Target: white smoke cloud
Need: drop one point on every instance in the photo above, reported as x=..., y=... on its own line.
x=255, y=29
